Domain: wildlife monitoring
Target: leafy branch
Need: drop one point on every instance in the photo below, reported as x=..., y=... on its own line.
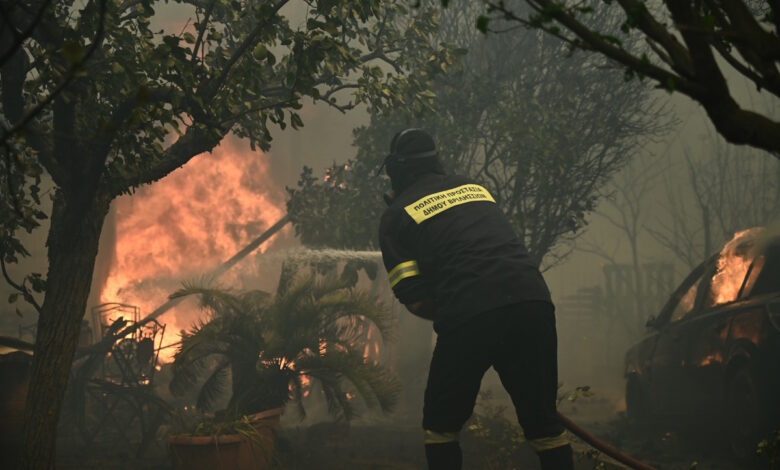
x=22, y=288
x=72, y=72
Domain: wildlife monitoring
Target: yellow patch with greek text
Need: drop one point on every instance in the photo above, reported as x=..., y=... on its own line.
x=436, y=203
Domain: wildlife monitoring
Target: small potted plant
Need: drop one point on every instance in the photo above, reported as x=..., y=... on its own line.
x=203, y=441
x=271, y=347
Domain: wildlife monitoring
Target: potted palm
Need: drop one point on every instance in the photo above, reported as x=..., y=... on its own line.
x=269, y=348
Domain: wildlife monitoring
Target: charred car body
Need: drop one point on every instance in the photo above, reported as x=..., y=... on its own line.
x=713, y=352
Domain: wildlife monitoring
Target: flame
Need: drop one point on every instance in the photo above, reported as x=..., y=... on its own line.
x=372, y=348
x=709, y=359
x=184, y=226
x=733, y=263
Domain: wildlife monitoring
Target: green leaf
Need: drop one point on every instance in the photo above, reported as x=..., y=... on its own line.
x=295, y=121
x=482, y=23
x=73, y=51
x=670, y=84
x=612, y=39
x=260, y=52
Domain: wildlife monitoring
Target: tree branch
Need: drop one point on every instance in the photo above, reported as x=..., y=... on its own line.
x=26, y=294
x=69, y=76
x=20, y=37
x=381, y=54
x=734, y=123
x=197, y=139
x=211, y=87
x=598, y=43
x=157, y=97
x=698, y=74
x=202, y=30
x=679, y=56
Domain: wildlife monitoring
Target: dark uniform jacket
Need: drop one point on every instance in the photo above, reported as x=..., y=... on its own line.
x=445, y=238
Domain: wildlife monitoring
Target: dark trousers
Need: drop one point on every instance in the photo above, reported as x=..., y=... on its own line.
x=519, y=341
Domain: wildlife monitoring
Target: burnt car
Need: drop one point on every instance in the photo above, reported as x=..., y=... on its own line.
x=712, y=354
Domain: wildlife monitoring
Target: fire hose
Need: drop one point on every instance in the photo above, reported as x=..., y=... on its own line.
x=602, y=446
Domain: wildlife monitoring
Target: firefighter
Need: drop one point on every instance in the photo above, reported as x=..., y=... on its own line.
x=452, y=257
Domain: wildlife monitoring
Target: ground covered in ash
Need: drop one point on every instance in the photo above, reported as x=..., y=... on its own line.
x=332, y=447
x=489, y=442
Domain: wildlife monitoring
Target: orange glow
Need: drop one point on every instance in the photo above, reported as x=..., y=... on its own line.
x=306, y=385
x=747, y=327
x=187, y=224
x=733, y=264
x=372, y=348
x=305, y=379
x=709, y=359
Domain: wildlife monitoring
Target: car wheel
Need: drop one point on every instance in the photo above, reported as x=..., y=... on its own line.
x=747, y=422
x=637, y=406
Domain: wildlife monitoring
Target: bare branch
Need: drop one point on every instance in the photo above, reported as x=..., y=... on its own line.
x=678, y=55
x=595, y=41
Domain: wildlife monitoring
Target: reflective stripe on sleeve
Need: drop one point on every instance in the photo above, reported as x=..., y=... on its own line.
x=542, y=444
x=433, y=437
x=402, y=271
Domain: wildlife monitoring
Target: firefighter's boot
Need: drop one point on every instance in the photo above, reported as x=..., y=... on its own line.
x=446, y=456
x=558, y=458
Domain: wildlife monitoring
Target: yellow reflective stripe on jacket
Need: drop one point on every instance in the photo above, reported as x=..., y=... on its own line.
x=433, y=437
x=402, y=271
x=436, y=203
x=542, y=444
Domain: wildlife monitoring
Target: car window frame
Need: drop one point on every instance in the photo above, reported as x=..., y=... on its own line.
x=771, y=247
x=697, y=274
x=746, y=295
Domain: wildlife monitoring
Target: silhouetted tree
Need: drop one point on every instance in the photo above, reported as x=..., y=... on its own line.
x=148, y=101
x=725, y=189
x=542, y=134
x=689, y=46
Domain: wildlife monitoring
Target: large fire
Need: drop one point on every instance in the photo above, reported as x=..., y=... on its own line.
x=733, y=263
x=185, y=225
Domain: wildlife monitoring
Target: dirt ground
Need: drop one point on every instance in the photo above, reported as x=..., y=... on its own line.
x=333, y=446
x=489, y=441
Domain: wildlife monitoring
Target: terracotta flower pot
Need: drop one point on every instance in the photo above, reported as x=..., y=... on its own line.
x=228, y=451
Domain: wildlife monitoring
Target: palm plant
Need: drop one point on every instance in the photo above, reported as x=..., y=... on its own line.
x=270, y=346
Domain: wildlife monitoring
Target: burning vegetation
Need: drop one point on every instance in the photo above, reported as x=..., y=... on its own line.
x=184, y=226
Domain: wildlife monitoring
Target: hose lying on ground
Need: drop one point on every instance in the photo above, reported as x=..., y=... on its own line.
x=602, y=446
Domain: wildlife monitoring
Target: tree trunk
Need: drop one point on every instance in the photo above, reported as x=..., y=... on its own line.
x=72, y=248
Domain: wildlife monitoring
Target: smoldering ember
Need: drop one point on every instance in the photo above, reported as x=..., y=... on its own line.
x=389, y=234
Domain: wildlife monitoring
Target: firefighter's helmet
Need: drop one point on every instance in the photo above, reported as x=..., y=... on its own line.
x=412, y=151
